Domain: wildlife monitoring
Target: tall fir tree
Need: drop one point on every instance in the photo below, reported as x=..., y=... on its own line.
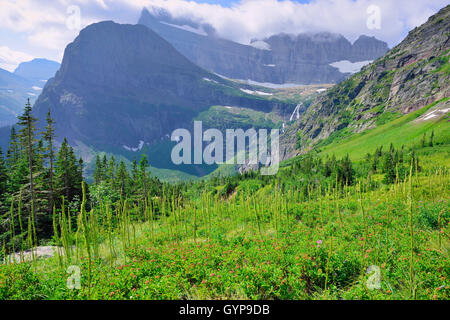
x=3, y=177
x=98, y=171
x=28, y=141
x=49, y=136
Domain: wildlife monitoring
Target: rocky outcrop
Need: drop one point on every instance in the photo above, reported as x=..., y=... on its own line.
x=302, y=59
x=412, y=75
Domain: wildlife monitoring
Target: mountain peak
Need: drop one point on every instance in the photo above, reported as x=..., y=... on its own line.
x=37, y=69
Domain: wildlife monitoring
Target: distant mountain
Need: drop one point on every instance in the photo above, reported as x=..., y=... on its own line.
x=122, y=88
x=37, y=70
x=26, y=82
x=302, y=59
x=14, y=91
x=413, y=75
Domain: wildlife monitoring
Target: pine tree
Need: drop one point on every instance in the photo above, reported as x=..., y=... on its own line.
x=13, y=152
x=49, y=136
x=122, y=177
x=431, y=138
x=134, y=179
x=389, y=168
x=68, y=172
x=112, y=172
x=424, y=137
x=98, y=171
x=27, y=135
x=144, y=176
x=3, y=177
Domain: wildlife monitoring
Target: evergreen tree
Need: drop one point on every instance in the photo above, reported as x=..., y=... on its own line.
x=144, y=176
x=431, y=138
x=13, y=152
x=424, y=137
x=389, y=168
x=98, y=171
x=3, y=177
x=49, y=136
x=27, y=135
x=68, y=174
x=122, y=177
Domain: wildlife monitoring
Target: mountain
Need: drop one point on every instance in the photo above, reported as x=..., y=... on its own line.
x=37, y=70
x=412, y=76
x=26, y=82
x=301, y=59
x=14, y=91
x=122, y=88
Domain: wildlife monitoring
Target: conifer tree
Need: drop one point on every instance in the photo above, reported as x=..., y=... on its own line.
x=3, y=177
x=13, y=152
x=122, y=177
x=389, y=167
x=431, y=138
x=49, y=136
x=98, y=171
x=28, y=141
x=144, y=176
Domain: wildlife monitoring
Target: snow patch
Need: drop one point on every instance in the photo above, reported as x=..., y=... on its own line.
x=272, y=85
x=35, y=88
x=209, y=80
x=139, y=148
x=261, y=45
x=346, y=66
x=270, y=65
x=31, y=94
x=321, y=90
x=187, y=28
x=256, y=92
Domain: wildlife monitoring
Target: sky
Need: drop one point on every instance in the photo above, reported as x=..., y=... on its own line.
x=43, y=28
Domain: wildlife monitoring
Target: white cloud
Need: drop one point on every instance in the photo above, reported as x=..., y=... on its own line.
x=44, y=22
x=250, y=19
x=10, y=59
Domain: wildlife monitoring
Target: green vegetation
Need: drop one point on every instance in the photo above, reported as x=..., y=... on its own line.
x=310, y=232
x=402, y=131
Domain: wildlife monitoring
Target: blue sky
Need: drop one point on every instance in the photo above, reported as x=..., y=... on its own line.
x=43, y=28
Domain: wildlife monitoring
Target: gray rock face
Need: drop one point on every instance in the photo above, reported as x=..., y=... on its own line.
x=121, y=84
x=302, y=59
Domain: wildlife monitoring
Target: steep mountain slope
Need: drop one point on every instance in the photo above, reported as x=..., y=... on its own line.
x=123, y=87
x=302, y=59
x=411, y=76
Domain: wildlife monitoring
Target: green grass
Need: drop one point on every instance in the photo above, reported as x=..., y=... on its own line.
x=401, y=131
x=259, y=243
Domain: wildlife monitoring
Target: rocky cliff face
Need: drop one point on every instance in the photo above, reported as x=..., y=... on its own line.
x=412, y=75
x=302, y=59
x=121, y=84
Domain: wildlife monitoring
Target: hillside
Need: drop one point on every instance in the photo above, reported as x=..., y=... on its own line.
x=410, y=77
